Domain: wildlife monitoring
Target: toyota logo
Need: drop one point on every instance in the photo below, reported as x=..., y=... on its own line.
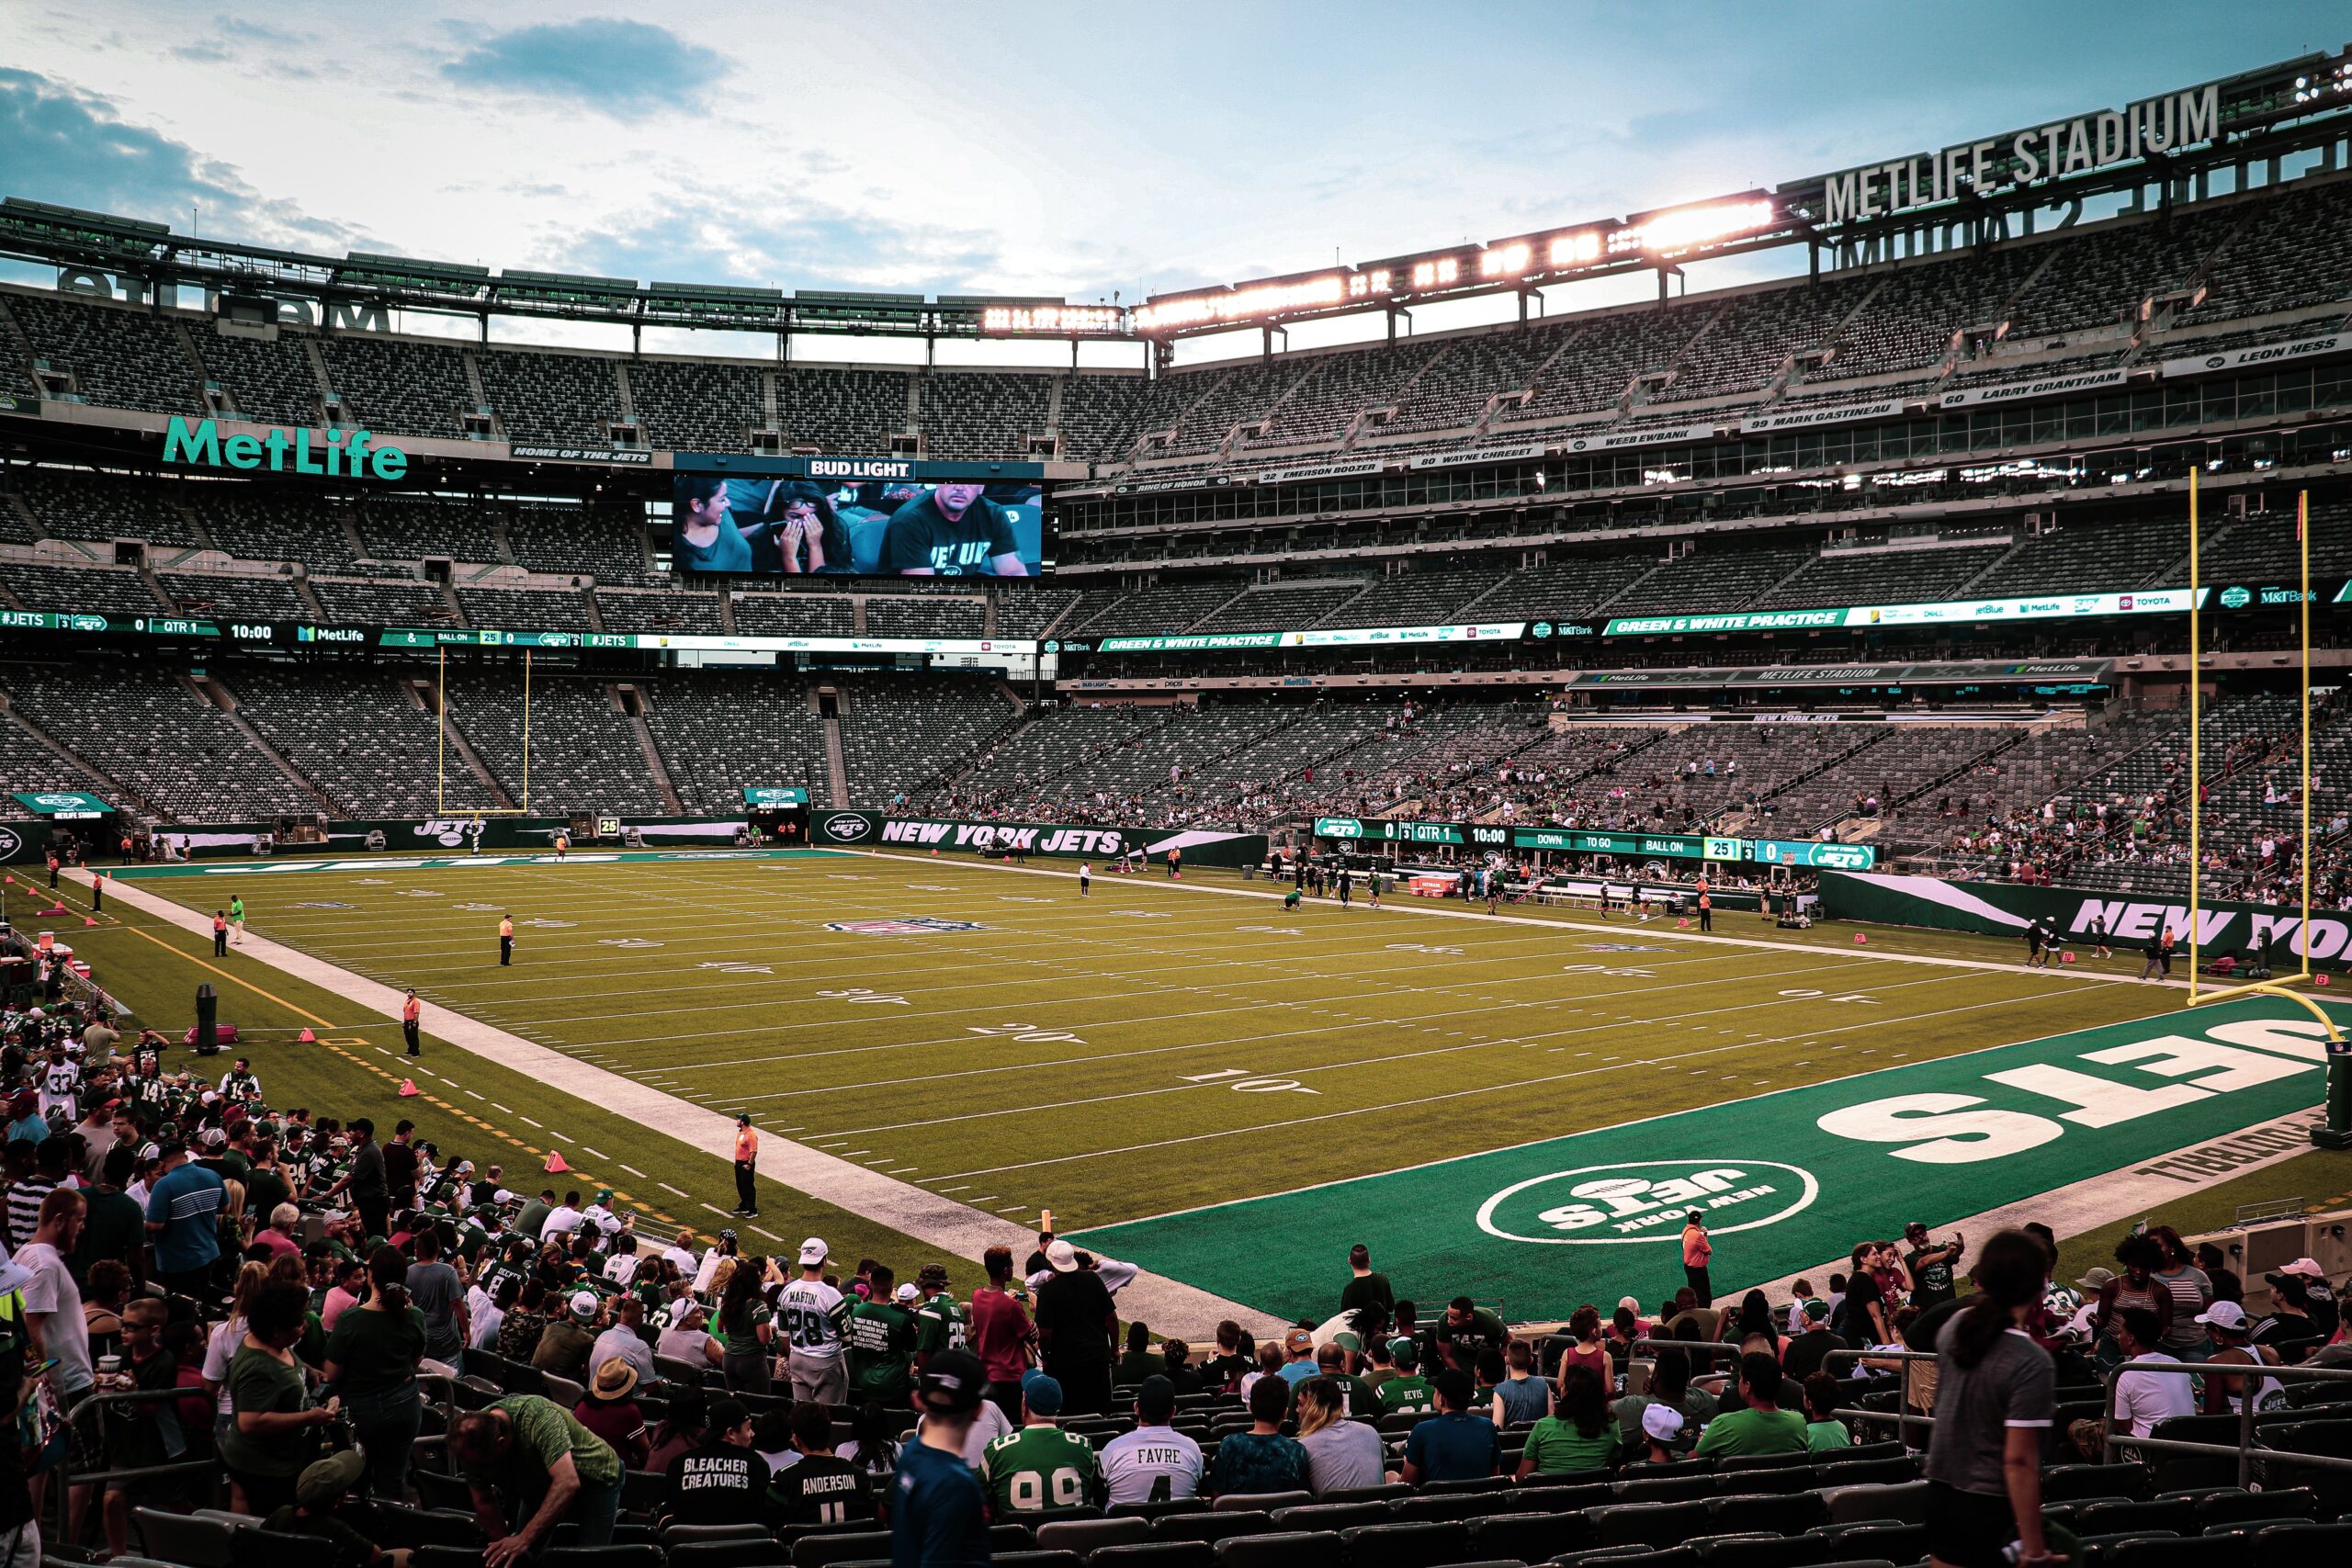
x=846, y=829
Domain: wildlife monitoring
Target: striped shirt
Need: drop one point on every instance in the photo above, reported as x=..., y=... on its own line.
x=2191, y=1293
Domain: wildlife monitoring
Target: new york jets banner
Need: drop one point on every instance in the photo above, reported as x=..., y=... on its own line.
x=874, y=829
x=2001, y=908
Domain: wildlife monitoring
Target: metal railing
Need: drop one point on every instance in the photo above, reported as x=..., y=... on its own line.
x=2251, y=1377
x=437, y=1391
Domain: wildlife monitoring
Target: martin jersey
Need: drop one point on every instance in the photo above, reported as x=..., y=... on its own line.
x=811, y=1313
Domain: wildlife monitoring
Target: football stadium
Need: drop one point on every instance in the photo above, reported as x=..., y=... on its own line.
x=1674, y=894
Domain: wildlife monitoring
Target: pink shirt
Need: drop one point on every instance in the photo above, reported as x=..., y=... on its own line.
x=280, y=1245
x=337, y=1300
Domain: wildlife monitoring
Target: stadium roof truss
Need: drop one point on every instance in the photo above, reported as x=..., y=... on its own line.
x=1964, y=194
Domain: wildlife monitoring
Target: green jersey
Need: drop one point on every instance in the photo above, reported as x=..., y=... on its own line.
x=1358, y=1402
x=881, y=1342
x=1039, y=1467
x=942, y=1325
x=1402, y=1394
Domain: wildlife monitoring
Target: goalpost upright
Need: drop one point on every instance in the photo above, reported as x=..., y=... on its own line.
x=2337, y=1132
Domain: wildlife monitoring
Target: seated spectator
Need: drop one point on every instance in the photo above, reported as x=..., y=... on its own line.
x=686, y=1334
x=526, y=1325
x=2146, y=1399
x=486, y=1316
x=318, y=1495
x=1662, y=1435
x=1340, y=1453
x=1174, y=1355
x=1521, y=1398
x=276, y=1238
x=1040, y=1466
x=684, y=1423
x=1457, y=1444
x=1810, y=1350
x=1762, y=1428
x=1140, y=1361
x=526, y=1459
x=1823, y=1430
x=1407, y=1393
x=721, y=1480
x=625, y=1341
x=1154, y=1462
x=819, y=1487
x=1261, y=1459
x=1583, y=1436
x=106, y=1292
x=610, y=1410
x=568, y=1341
x=1671, y=1386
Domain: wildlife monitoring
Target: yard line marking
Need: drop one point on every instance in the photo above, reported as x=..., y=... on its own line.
x=770, y=1234
x=528, y=1123
x=594, y=1154
x=672, y=1191
x=486, y=1102
x=495, y=1106
x=715, y=1208
x=960, y=1187
x=633, y=1171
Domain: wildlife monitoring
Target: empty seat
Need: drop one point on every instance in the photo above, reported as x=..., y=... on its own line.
x=1407, y=1546
x=1531, y=1538
x=1264, y=1501
x=1667, y=1488
x=1652, y=1524
x=1167, y=1510
x=850, y=1546
x=1156, y=1554
x=1636, y=1557
x=1907, y=1502
x=397, y=1525
x=1768, y=1552
x=1084, y=1536
x=643, y=1555
x=729, y=1553
x=1762, y=1461
x=2234, y=1506
x=2072, y=1482
x=2116, y=1516
x=1889, y=1471
x=1211, y=1527
x=2181, y=1552
x=1368, y=1493
x=1331, y=1516
x=1282, y=1548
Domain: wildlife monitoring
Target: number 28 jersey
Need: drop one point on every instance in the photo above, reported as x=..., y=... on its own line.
x=1038, y=1468
x=810, y=1313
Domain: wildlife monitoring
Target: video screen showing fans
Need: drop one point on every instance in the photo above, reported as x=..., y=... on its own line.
x=785, y=527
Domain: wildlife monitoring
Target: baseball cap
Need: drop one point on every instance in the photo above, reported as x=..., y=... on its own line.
x=1298, y=1341
x=1662, y=1422
x=1062, y=1257
x=603, y=1194
x=813, y=1251
x=951, y=1384
x=907, y=1291
x=2307, y=1269
x=1816, y=1310
x=2097, y=1280
x=2223, y=1314
x=583, y=1305
x=1041, y=1394
x=325, y=1480
x=1917, y=1227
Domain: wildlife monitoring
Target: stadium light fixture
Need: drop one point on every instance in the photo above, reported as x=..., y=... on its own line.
x=1691, y=226
x=1243, y=304
x=1575, y=250
x=1505, y=261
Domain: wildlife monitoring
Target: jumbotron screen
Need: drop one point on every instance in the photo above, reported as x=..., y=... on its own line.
x=785, y=527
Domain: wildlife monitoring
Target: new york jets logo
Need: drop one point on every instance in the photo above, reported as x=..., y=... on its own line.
x=9, y=844
x=1645, y=1201
x=846, y=829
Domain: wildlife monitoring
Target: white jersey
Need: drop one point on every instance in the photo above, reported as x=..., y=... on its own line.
x=1152, y=1464
x=60, y=1083
x=561, y=1222
x=604, y=1219
x=621, y=1269
x=809, y=1314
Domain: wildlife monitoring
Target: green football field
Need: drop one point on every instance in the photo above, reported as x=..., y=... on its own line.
x=1203, y=1082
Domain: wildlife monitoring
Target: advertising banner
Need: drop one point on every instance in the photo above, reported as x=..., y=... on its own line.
x=70, y=804
x=772, y=795
x=2001, y=908
x=874, y=830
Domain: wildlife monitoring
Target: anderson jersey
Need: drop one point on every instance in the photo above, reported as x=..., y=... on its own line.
x=1039, y=1467
x=920, y=536
x=820, y=1489
x=811, y=1314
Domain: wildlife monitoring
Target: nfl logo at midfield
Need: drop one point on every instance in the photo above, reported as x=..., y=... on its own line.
x=903, y=925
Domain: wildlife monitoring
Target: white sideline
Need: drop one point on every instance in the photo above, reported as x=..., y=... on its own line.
x=1170, y=1304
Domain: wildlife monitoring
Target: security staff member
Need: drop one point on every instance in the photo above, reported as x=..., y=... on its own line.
x=1706, y=907
x=412, y=1011
x=220, y=933
x=52, y=868
x=97, y=891
x=505, y=939
x=747, y=1162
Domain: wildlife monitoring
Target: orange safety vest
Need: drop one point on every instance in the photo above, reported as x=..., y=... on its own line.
x=218, y=925
x=747, y=1147
x=505, y=928
x=412, y=1009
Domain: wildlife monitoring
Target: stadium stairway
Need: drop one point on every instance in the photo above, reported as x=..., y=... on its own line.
x=208, y=689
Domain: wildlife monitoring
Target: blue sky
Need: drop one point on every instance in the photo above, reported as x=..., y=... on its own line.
x=1053, y=149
